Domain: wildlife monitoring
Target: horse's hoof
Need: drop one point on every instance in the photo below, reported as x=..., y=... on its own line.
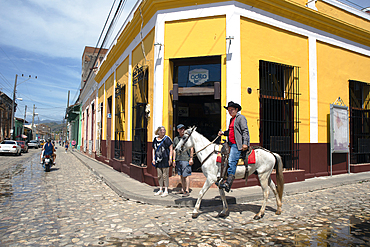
x=257, y=217
x=278, y=212
x=194, y=215
x=223, y=215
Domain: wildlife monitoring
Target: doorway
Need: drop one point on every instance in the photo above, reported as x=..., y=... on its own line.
x=197, y=96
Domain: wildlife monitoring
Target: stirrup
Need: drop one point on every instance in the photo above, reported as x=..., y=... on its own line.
x=225, y=186
x=219, y=183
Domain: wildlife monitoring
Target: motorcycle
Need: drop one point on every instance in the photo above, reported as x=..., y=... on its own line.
x=47, y=162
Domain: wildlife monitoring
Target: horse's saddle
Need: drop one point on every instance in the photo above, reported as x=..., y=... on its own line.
x=247, y=157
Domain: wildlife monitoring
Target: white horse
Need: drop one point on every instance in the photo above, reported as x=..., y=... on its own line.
x=265, y=162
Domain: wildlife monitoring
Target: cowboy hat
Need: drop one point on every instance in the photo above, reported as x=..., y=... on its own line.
x=233, y=104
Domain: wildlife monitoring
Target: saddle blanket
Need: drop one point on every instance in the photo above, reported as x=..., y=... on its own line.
x=251, y=159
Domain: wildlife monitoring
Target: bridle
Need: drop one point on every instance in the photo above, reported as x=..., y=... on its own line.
x=187, y=138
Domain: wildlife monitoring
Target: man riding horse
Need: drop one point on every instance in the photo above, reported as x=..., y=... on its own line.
x=238, y=140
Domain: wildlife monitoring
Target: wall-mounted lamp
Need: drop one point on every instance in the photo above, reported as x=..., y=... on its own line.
x=230, y=38
x=155, y=44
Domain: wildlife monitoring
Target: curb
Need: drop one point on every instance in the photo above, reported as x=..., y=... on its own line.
x=143, y=193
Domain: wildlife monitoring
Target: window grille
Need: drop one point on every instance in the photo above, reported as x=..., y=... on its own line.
x=359, y=121
x=120, y=94
x=279, y=111
x=139, y=118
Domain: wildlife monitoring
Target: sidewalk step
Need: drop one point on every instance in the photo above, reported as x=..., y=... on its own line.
x=197, y=180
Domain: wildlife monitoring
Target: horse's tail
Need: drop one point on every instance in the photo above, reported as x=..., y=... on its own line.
x=279, y=176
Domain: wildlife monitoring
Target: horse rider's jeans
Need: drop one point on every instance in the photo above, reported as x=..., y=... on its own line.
x=233, y=159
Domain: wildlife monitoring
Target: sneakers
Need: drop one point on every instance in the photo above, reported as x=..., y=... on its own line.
x=159, y=192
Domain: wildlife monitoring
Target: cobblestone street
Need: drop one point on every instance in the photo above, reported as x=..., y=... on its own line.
x=70, y=206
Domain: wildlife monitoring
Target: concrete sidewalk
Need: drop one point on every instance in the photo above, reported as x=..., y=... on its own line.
x=130, y=188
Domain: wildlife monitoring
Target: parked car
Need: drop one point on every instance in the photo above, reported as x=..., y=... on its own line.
x=10, y=147
x=23, y=145
x=34, y=144
x=42, y=142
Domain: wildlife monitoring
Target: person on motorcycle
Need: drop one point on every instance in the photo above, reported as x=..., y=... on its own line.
x=49, y=149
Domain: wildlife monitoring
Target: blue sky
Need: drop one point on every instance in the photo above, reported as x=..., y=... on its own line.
x=46, y=38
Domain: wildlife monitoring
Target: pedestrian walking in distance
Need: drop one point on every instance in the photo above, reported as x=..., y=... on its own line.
x=66, y=146
x=183, y=162
x=238, y=140
x=162, y=159
x=73, y=145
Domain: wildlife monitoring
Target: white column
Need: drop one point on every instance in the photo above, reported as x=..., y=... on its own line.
x=113, y=110
x=158, y=72
x=233, y=59
x=312, y=57
x=129, y=98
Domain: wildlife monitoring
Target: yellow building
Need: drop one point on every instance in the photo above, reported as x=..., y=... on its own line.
x=284, y=61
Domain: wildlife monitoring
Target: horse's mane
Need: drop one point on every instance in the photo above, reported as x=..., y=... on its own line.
x=202, y=136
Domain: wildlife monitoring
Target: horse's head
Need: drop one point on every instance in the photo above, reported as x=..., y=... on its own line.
x=185, y=142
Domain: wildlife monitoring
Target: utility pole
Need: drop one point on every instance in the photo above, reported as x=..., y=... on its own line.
x=13, y=103
x=33, y=120
x=24, y=120
x=12, y=120
x=66, y=114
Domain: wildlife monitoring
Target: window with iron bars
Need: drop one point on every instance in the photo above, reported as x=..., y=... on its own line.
x=279, y=111
x=120, y=94
x=359, y=106
x=139, y=115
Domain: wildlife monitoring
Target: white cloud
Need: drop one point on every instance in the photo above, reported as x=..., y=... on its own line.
x=55, y=28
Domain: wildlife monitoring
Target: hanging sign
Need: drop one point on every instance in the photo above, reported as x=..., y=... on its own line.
x=198, y=76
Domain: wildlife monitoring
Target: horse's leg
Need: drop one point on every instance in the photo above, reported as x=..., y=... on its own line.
x=225, y=207
x=205, y=188
x=279, y=204
x=264, y=181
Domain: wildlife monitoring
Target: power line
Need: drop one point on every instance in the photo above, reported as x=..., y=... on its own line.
x=6, y=81
x=39, y=102
x=11, y=61
x=353, y=3
x=46, y=108
x=118, y=12
x=5, y=87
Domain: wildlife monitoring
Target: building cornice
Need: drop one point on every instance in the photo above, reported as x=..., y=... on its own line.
x=284, y=8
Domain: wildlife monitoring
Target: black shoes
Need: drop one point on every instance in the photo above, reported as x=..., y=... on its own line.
x=227, y=185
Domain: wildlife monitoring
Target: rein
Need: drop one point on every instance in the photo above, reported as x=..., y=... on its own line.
x=207, y=145
x=187, y=138
x=210, y=154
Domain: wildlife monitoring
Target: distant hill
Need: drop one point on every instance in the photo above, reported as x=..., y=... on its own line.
x=50, y=121
x=55, y=127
